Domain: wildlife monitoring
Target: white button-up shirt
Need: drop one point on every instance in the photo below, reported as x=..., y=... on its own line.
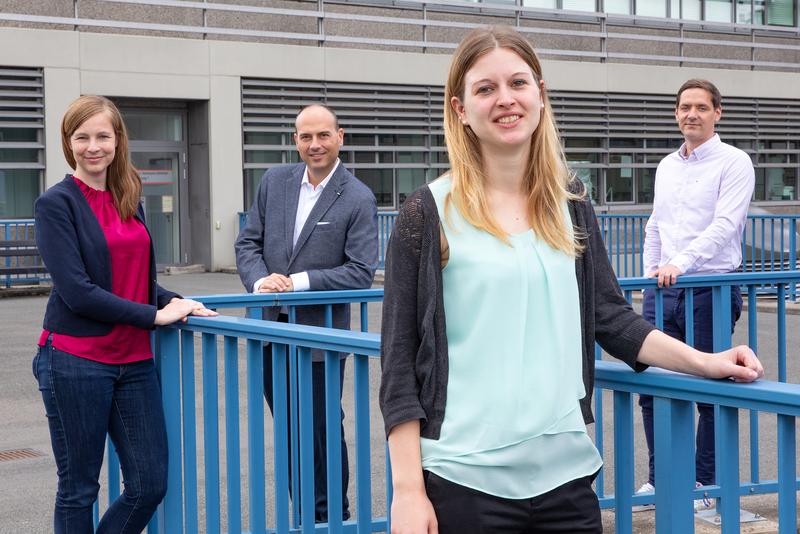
x=700, y=209
x=309, y=195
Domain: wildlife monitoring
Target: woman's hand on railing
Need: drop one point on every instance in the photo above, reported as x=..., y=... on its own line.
x=412, y=513
x=180, y=309
x=739, y=364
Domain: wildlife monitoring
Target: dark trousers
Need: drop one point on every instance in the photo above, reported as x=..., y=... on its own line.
x=320, y=434
x=675, y=326
x=84, y=400
x=570, y=508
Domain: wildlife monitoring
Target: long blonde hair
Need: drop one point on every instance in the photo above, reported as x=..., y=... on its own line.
x=547, y=174
x=122, y=179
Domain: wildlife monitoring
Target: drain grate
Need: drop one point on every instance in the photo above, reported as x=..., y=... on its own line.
x=19, y=454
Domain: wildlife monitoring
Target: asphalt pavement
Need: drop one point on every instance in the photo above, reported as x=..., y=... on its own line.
x=28, y=473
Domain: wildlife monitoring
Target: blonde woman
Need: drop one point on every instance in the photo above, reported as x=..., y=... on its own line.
x=497, y=285
x=94, y=364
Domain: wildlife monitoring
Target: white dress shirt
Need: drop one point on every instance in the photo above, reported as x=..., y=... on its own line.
x=700, y=209
x=309, y=195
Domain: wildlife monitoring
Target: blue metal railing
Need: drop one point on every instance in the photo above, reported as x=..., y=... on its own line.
x=20, y=230
x=240, y=341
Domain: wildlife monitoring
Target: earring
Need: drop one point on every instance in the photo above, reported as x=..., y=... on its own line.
x=542, y=105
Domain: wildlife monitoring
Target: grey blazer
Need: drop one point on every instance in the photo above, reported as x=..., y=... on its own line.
x=337, y=247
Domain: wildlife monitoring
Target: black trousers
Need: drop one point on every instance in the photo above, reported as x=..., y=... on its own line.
x=570, y=508
x=320, y=433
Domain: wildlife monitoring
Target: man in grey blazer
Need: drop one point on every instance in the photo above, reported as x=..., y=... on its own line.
x=312, y=226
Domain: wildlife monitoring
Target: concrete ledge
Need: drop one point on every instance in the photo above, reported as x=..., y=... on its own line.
x=24, y=291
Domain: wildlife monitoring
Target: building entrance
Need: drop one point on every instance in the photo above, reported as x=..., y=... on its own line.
x=159, y=148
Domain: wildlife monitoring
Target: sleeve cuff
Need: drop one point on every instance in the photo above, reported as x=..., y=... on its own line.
x=258, y=284
x=300, y=281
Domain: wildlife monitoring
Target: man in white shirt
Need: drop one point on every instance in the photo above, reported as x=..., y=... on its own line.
x=312, y=226
x=702, y=193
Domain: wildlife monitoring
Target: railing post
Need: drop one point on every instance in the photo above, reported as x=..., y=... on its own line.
x=674, y=444
x=728, y=467
x=255, y=435
x=793, y=255
x=169, y=355
x=623, y=461
x=787, y=469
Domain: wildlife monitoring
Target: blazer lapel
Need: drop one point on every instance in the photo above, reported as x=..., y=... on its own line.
x=329, y=195
x=292, y=196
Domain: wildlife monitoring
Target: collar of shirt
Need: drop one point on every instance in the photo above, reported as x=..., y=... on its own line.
x=306, y=183
x=703, y=150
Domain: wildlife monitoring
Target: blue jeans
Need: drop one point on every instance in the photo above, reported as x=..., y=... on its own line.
x=675, y=326
x=84, y=400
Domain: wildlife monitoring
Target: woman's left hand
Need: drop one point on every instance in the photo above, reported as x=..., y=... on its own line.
x=739, y=364
x=198, y=309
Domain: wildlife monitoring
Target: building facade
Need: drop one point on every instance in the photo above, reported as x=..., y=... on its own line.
x=209, y=91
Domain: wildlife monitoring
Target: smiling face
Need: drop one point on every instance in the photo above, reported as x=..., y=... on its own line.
x=502, y=101
x=94, y=145
x=696, y=116
x=318, y=141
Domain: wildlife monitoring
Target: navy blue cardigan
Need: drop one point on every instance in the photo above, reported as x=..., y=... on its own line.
x=75, y=252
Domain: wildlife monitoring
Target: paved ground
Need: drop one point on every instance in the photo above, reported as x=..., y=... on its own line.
x=27, y=485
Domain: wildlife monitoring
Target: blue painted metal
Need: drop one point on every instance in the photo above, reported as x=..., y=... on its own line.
x=333, y=436
x=169, y=356
x=674, y=447
x=280, y=415
x=211, y=433
x=727, y=426
x=232, y=462
x=787, y=469
x=623, y=459
x=306, y=403
x=255, y=436
x=189, y=431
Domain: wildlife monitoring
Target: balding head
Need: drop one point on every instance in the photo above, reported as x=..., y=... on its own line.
x=318, y=139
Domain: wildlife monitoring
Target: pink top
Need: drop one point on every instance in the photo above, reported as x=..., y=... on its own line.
x=129, y=246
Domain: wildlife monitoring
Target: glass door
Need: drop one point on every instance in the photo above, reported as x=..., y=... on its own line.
x=160, y=172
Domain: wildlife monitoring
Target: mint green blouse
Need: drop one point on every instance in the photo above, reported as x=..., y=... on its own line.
x=512, y=426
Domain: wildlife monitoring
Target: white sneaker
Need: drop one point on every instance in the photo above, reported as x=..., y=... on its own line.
x=706, y=503
x=646, y=488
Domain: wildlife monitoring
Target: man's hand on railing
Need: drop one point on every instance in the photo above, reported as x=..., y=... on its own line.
x=667, y=275
x=275, y=283
x=739, y=364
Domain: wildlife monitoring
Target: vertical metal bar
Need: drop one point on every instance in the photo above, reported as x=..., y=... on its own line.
x=280, y=417
x=364, y=315
x=674, y=447
x=623, y=461
x=688, y=306
x=721, y=309
x=189, y=436
x=306, y=441
x=232, y=461
x=787, y=469
x=294, y=435
x=782, y=245
x=641, y=247
x=333, y=438
x=753, y=246
x=211, y=432
x=728, y=468
x=598, y=429
x=752, y=341
x=781, y=333
x=793, y=255
x=363, y=489
x=113, y=472
x=659, y=305
x=169, y=355
x=772, y=245
x=255, y=435
x=616, y=239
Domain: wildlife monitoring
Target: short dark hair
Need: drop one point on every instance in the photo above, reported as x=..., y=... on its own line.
x=694, y=83
x=323, y=106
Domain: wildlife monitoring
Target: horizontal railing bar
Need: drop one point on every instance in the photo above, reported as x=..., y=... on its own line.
x=705, y=280
x=314, y=337
x=246, y=300
x=762, y=395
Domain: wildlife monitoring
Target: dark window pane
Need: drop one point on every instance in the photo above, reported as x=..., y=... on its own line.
x=775, y=184
x=263, y=138
x=252, y=177
x=162, y=126
x=18, y=155
x=359, y=139
x=590, y=179
x=619, y=185
x=385, y=157
x=380, y=181
x=407, y=181
x=622, y=142
x=364, y=157
x=410, y=157
x=19, y=135
x=645, y=185
x=262, y=156
x=410, y=140
x=439, y=157
x=582, y=157
x=18, y=189
x=583, y=142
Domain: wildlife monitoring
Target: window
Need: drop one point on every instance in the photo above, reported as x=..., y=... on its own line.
x=619, y=6
x=645, y=185
x=775, y=183
x=718, y=10
x=21, y=140
x=619, y=185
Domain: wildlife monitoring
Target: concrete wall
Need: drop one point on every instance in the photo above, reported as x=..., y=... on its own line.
x=210, y=70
